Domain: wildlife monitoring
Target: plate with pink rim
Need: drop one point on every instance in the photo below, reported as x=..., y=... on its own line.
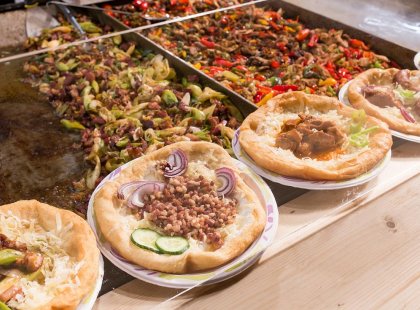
x=301, y=183
x=227, y=271
x=343, y=97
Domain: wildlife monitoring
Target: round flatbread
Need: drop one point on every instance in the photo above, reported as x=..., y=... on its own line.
x=387, y=91
x=310, y=137
x=68, y=246
x=117, y=222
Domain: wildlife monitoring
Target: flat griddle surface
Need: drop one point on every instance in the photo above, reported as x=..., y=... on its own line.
x=38, y=158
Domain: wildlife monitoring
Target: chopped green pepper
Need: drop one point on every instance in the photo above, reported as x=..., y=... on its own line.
x=195, y=90
x=231, y=76
x=203, y=135
x=9, y=256
x=197, y=114
x=169, y=97
x=117, y=39
x=122, y=142
x=90, y=27
x=274, y=80
x=72, y=124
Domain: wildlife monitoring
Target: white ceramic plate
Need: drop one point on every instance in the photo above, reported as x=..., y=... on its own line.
x=239, y=264
x=342, y=96
x=301, y=183
x=88, y=302
x=417, y=60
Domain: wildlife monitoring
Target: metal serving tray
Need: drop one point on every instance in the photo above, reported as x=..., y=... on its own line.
x=401, y=55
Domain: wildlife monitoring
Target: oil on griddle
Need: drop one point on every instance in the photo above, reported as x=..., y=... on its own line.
x=39, y=159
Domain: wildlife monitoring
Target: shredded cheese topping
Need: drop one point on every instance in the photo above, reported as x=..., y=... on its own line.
x=59, y=270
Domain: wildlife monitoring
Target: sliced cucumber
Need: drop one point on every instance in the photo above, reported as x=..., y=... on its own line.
x=172, y=245
x=4, y=306
x=145, y=239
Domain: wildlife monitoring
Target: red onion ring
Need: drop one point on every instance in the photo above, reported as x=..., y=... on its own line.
x=136, y=198
x=227, y=179
x=177, y=164
x=407, y=116
x=127, y=189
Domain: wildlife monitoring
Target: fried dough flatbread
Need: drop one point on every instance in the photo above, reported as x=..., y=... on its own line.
x=117, y=222
x=260, y=132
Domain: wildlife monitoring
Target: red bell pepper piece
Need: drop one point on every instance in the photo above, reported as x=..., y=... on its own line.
x=264, y=89
x=239, y=57
x=241, y=68
x=352, y=53
x=108, y=10
x=274, y=25
x=273, y=15
x=302, y=34
x=358, y=44
x=212, y=29
x=331, y=68
x=258, y=96
x=260, y=77
x=275, y=64
x=224, y=20
x=344, y=73
x=207, y=43
x=223, y=63
x=214, y=70
x=285, y=88
x=313, y=40
x=281, y=46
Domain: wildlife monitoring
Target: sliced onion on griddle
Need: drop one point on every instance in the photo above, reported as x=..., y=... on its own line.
x=227, y=180
x=127, y=189
x=177, y=164
x=184, y=105
x=148, y=187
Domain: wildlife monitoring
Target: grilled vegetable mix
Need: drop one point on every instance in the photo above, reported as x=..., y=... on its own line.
x=259, y=53
x=126, y=102
x=162, y=8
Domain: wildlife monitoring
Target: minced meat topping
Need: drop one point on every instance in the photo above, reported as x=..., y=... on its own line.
x=190, y=207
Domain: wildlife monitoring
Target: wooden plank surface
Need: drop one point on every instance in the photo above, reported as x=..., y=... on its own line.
x=327, y=241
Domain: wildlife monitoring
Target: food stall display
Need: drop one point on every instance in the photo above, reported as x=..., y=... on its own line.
x=161, y=115
x=259, y=53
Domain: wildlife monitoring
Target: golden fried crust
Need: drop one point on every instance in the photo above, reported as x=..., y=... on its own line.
x=379, y=77
x=380, y=141
x=110, y=215
x=80, y=243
